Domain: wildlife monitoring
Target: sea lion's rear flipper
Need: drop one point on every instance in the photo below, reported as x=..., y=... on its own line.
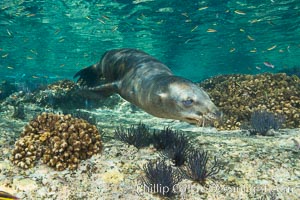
x=98, y=92
x=92, y=85
x=89, y=76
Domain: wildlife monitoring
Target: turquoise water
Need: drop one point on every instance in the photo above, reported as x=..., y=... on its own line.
x=197, y=39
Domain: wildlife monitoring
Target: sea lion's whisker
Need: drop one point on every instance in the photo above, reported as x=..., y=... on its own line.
x=198, y=122
x=209, y=116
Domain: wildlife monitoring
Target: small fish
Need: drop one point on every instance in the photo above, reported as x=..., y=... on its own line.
x=160, y=22
x=185, y=14
x=5, y=55
x=57, y=31
x=232, y=50
x=8, y=32
x=7, y=196
x=257, y=67
x=100, y=20
x=105, y=17
x=30, y=15
x=114, y=29
x=10, y=67
x=239, y=12
x=255, y=21
x=203, y=8
x=272, y=47
x=61, y=40
x=88, y=18
x=242, y=30
x=34, y=76
x=33, y=51
x=250, y=38
x=194, y=28
x=253, y=50
x=187, y=41
x=268, y=64
x=210, y=30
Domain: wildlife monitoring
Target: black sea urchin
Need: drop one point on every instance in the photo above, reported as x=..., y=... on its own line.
x=197, y=168
x=173, y=144
x=262, y=121
x=177, y=150
x=162, y=139
x=138, y=136
x=160, y=178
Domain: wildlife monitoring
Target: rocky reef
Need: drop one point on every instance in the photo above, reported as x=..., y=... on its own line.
x=6, y=89
x=60, y=140
x=58, y=94
x=240, y=95
x=65, y=94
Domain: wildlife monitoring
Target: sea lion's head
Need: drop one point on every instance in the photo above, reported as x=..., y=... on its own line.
x=188, y=102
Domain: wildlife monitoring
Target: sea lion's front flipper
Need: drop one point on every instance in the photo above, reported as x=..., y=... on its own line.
x=101, y=91
x=89, y=76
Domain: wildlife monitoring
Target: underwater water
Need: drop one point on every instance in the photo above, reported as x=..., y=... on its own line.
x=196, y=39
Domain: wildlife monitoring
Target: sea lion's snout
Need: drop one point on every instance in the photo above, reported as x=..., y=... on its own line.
x=193, y=104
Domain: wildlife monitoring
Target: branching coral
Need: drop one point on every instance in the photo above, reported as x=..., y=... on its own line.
x=197, y=168
x=160, y=178
x=138, y=136
x=61, y=141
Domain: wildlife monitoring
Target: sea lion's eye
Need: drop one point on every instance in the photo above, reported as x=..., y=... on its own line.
x=187, y=102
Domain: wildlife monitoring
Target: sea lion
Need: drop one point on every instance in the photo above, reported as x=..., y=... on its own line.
x=149, y=84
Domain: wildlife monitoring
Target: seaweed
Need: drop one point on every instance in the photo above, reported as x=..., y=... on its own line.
x=160, y=178
x=261, y=122
x=197, y=168
x=138, y=136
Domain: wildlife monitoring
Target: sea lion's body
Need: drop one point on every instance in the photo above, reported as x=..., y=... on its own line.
x=148, y=84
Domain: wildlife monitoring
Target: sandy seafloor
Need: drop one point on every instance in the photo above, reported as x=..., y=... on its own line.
x=257, y=167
